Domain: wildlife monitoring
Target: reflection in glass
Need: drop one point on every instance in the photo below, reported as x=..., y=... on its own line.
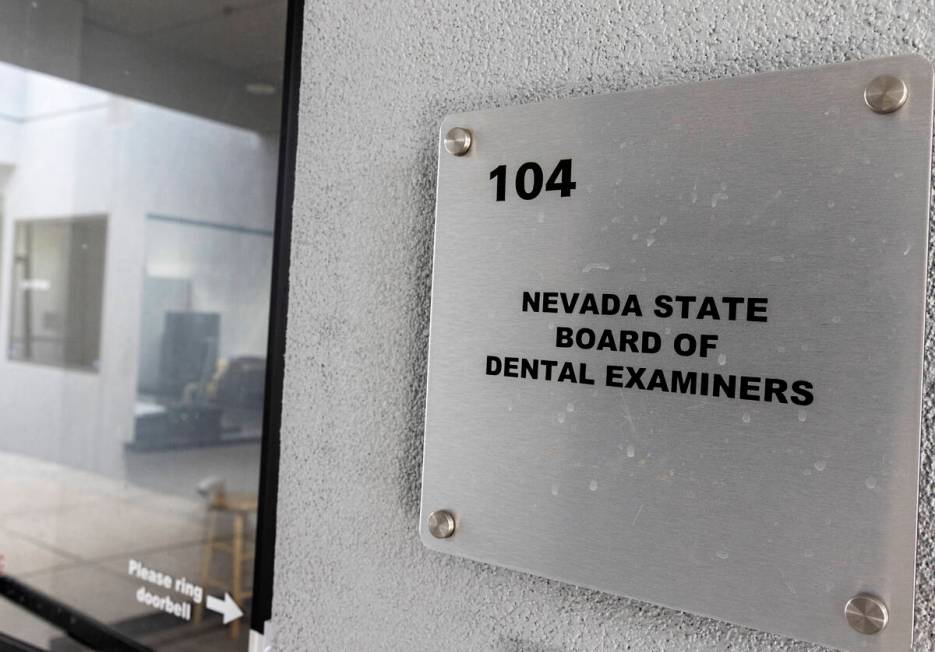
x=203, y=333
x=58, y=284
x=138, y=166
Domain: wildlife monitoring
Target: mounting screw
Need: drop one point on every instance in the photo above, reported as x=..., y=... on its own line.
x=458, y=141
x=441, y=524
x=866, y=614
x=885, y=94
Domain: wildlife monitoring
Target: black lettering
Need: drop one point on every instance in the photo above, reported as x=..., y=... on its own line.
x=569, y=303
x=756, y=309
x=612, y=376
x=658, y=381
x=684, y=382
x=686, y=302
x=563, y=337
x=583, y=374
x=510, y=367
x=584, y=338
x=550, y=302
x=521, y=177
x=707, y=342
x=628, y=341
x=663, y=306
x=493, y=365
x=750, y=388
x=632, y=307
x=681, y=348
x=732, y=303
x=499, y=173
x=549, y=366
x=652, y=342
x=610, y=304
x=529, y=369
x=724, y=386
x=708, y=309
x=567, y=374
x=589, y=305
x=775, y=387
x=607, y=341
x=803, y=390
x=635, y=378
x=560, y=179
x=530, y=301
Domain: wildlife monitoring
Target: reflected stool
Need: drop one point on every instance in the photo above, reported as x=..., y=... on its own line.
x=240, y=506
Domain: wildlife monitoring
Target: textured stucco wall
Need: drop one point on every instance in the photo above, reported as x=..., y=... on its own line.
x=377, y=78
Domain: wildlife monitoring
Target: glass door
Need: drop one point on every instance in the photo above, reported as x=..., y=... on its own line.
x=139, y=159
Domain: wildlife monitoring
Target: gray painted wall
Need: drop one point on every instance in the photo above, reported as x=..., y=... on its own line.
x=377, y=78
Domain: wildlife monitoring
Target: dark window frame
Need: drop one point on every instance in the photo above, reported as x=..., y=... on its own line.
x=264, y=563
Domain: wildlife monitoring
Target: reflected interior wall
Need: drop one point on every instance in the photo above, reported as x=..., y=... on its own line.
x=124, y=159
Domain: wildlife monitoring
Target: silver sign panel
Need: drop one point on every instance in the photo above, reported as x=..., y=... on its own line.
x=676, y=345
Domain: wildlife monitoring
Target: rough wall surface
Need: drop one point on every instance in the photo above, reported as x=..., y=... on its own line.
x=377, y=78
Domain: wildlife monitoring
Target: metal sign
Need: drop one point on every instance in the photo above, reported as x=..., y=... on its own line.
x=676, y=345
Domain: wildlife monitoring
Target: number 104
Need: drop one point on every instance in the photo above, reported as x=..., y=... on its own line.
x=529, y=176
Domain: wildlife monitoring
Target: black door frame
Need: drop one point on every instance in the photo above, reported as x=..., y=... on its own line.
x=264, y=563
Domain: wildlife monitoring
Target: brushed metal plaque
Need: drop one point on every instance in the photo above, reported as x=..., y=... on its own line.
x=768, y=500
